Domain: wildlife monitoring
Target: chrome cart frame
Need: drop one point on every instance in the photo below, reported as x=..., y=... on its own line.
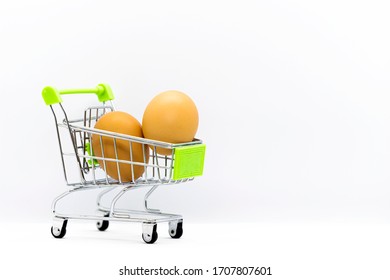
x=183, y=163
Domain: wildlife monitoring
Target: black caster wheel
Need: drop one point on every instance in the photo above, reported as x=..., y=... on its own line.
x=150, y=237
x=103, y=225
x=59, y=232
x=176, y=230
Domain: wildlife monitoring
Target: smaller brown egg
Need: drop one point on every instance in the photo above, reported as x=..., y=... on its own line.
x=172, y=117
x=124, y=123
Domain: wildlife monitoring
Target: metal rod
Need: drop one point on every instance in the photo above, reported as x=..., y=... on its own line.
x=147, y=197
x=131, y=160
x=117, y=162
x=115, y=199
x=59, y=143
x=103, y=157
x=74, y=144
x=101, y=194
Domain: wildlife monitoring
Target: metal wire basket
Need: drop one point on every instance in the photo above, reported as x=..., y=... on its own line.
x=184, y=162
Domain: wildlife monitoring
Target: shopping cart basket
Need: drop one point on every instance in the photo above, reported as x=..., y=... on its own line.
x=181, y=165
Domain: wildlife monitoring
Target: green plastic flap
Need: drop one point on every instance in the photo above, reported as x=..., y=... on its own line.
x=52, y=95
x=189, y=161
x=88, y=149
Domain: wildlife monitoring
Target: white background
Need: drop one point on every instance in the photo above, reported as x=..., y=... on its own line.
x=293, y=98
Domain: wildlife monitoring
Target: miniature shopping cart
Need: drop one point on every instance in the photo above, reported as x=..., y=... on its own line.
x=75, y=142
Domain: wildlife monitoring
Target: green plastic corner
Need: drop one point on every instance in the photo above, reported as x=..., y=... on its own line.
x=88, y=149
x=104, y=93
x=51, y=95
x=189, y=161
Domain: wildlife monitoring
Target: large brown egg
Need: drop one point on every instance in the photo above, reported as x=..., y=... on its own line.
x=120, y=122
x=171, y=117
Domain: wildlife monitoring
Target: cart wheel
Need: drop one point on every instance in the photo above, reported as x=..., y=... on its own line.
x=57, y=232
x=103, y=225
x=150, y=237
x=176, y=230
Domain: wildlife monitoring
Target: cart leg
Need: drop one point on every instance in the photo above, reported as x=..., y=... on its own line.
x=176, y=228
x=146, y=200
x=103, y=193
x=149, y=232
x=58, y=230
x=115, y=199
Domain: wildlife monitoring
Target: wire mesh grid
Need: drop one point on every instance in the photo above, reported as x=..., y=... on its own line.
x=123, y=162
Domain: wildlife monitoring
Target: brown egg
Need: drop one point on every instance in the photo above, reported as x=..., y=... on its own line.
x=171, y=117
x=120, y=122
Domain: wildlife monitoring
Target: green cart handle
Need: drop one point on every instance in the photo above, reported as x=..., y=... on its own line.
x=52, y=95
